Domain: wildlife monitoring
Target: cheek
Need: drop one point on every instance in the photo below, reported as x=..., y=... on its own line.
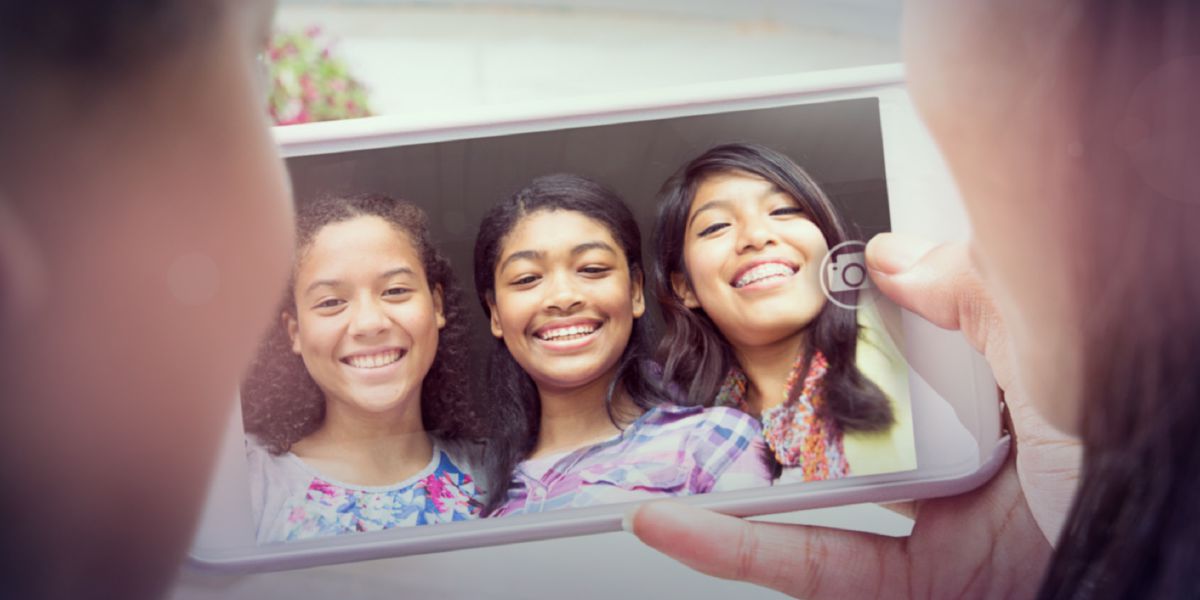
x=703, y=264
x=315, y=336
x=512, y=314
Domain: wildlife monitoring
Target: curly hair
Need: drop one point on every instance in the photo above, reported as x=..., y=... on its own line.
x=281, y=404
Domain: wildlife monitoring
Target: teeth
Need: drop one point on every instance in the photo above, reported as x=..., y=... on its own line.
x=564, y=332
x=374, y=361
x=762, y=272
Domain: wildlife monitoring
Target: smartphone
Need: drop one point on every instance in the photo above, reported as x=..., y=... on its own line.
x=854, y=130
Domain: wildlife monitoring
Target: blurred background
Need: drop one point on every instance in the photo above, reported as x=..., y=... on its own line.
x=349, y=58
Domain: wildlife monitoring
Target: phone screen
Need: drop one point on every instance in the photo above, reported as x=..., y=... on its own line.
x=301, y=490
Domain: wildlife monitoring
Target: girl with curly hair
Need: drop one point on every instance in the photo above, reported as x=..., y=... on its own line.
x=356, y=405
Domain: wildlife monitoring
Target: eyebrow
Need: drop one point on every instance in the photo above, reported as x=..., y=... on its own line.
x=540, y=255
x=335, y=282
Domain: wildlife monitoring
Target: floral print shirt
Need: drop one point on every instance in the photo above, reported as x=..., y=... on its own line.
x=668, y=451
x=295, y=502
x=799, y=437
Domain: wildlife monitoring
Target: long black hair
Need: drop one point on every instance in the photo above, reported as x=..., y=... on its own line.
x=512, y=392
x=694, y=354
x=281, y=404
x=1130, y=77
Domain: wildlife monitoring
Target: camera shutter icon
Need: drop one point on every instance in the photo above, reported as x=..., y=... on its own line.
x=847, y=272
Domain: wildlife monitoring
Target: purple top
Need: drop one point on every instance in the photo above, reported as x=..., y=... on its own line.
x=668, y=451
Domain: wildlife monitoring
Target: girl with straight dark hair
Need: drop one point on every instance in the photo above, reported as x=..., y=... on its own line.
x=1072, y=131
x=582, y=417
x=741, y=233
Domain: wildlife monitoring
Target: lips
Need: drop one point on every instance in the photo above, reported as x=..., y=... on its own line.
x=568, y=331
x=374, y=359
x=762, y=271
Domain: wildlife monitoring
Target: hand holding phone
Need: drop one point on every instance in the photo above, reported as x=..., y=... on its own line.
x=1003, y=531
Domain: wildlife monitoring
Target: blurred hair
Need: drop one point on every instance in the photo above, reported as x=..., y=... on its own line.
x=281, y=404
x=694, y=353
x=1130, y=74
x=513, y=394
x=102, y=39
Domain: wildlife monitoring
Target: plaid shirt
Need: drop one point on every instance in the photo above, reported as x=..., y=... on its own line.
x=668, y=451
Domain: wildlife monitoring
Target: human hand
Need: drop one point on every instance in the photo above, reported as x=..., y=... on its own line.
x=992, y=541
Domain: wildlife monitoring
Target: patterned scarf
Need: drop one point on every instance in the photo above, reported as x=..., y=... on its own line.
x=797, y=436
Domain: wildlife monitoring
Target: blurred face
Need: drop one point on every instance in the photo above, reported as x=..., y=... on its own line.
x=753, y=260
x=980, y=74
x=179, y=229
x=565, y=299
x=366, y=320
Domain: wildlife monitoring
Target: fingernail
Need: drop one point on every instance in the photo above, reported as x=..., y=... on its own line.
x=892, y=253
x=627, y=519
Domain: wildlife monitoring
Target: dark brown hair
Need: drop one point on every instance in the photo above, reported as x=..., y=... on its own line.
x=694, y=354
x=512, y=394
x=1134, y=530
x=281, y=404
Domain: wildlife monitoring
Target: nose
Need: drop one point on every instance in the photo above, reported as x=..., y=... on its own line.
x=368, y=319
x=563, y=294
x=755, y=234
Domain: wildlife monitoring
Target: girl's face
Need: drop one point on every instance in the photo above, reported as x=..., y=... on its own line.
x=752, y=258
x=366, y=320
x=565, y=299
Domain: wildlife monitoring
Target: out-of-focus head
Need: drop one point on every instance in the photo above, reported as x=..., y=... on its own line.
x=1072, y=132
x=146, y=228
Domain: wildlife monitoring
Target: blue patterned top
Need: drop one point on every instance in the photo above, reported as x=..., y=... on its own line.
x=668, y=451
x=292, y=501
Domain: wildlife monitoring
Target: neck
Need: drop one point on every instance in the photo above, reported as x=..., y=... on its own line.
x=576, y=417
x=767, y=368
x=367, y=448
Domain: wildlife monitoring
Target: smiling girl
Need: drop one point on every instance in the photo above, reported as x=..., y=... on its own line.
x=586, y=420
x=741, y=232
x=356, y=399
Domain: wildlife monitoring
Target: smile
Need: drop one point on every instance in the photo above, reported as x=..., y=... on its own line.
x=566, y=333
x=374, y=360
x=764, y=272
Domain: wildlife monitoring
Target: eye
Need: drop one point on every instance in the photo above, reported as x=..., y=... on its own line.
x=711, y=229
x=525, y=280
x=595, y=270
x=786, y=211
x=396, y=291
x=329, y=303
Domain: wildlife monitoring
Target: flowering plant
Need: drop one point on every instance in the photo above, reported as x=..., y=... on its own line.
x=308, y=83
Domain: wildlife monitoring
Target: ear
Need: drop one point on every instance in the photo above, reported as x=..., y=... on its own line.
x=292, y=326
x=494, y=316
x=438, y=306
x=638, y=288
x=683, y=289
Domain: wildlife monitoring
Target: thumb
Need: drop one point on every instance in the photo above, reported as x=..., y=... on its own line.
x=802, y=561
x=935, y=282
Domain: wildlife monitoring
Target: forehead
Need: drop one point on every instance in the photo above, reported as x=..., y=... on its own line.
x=732, y=187
x=365, y=242
x=554, y=231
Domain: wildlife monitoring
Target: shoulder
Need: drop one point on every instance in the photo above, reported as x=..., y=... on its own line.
x=461, y=457
x=700, y=424
x=720, y=418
